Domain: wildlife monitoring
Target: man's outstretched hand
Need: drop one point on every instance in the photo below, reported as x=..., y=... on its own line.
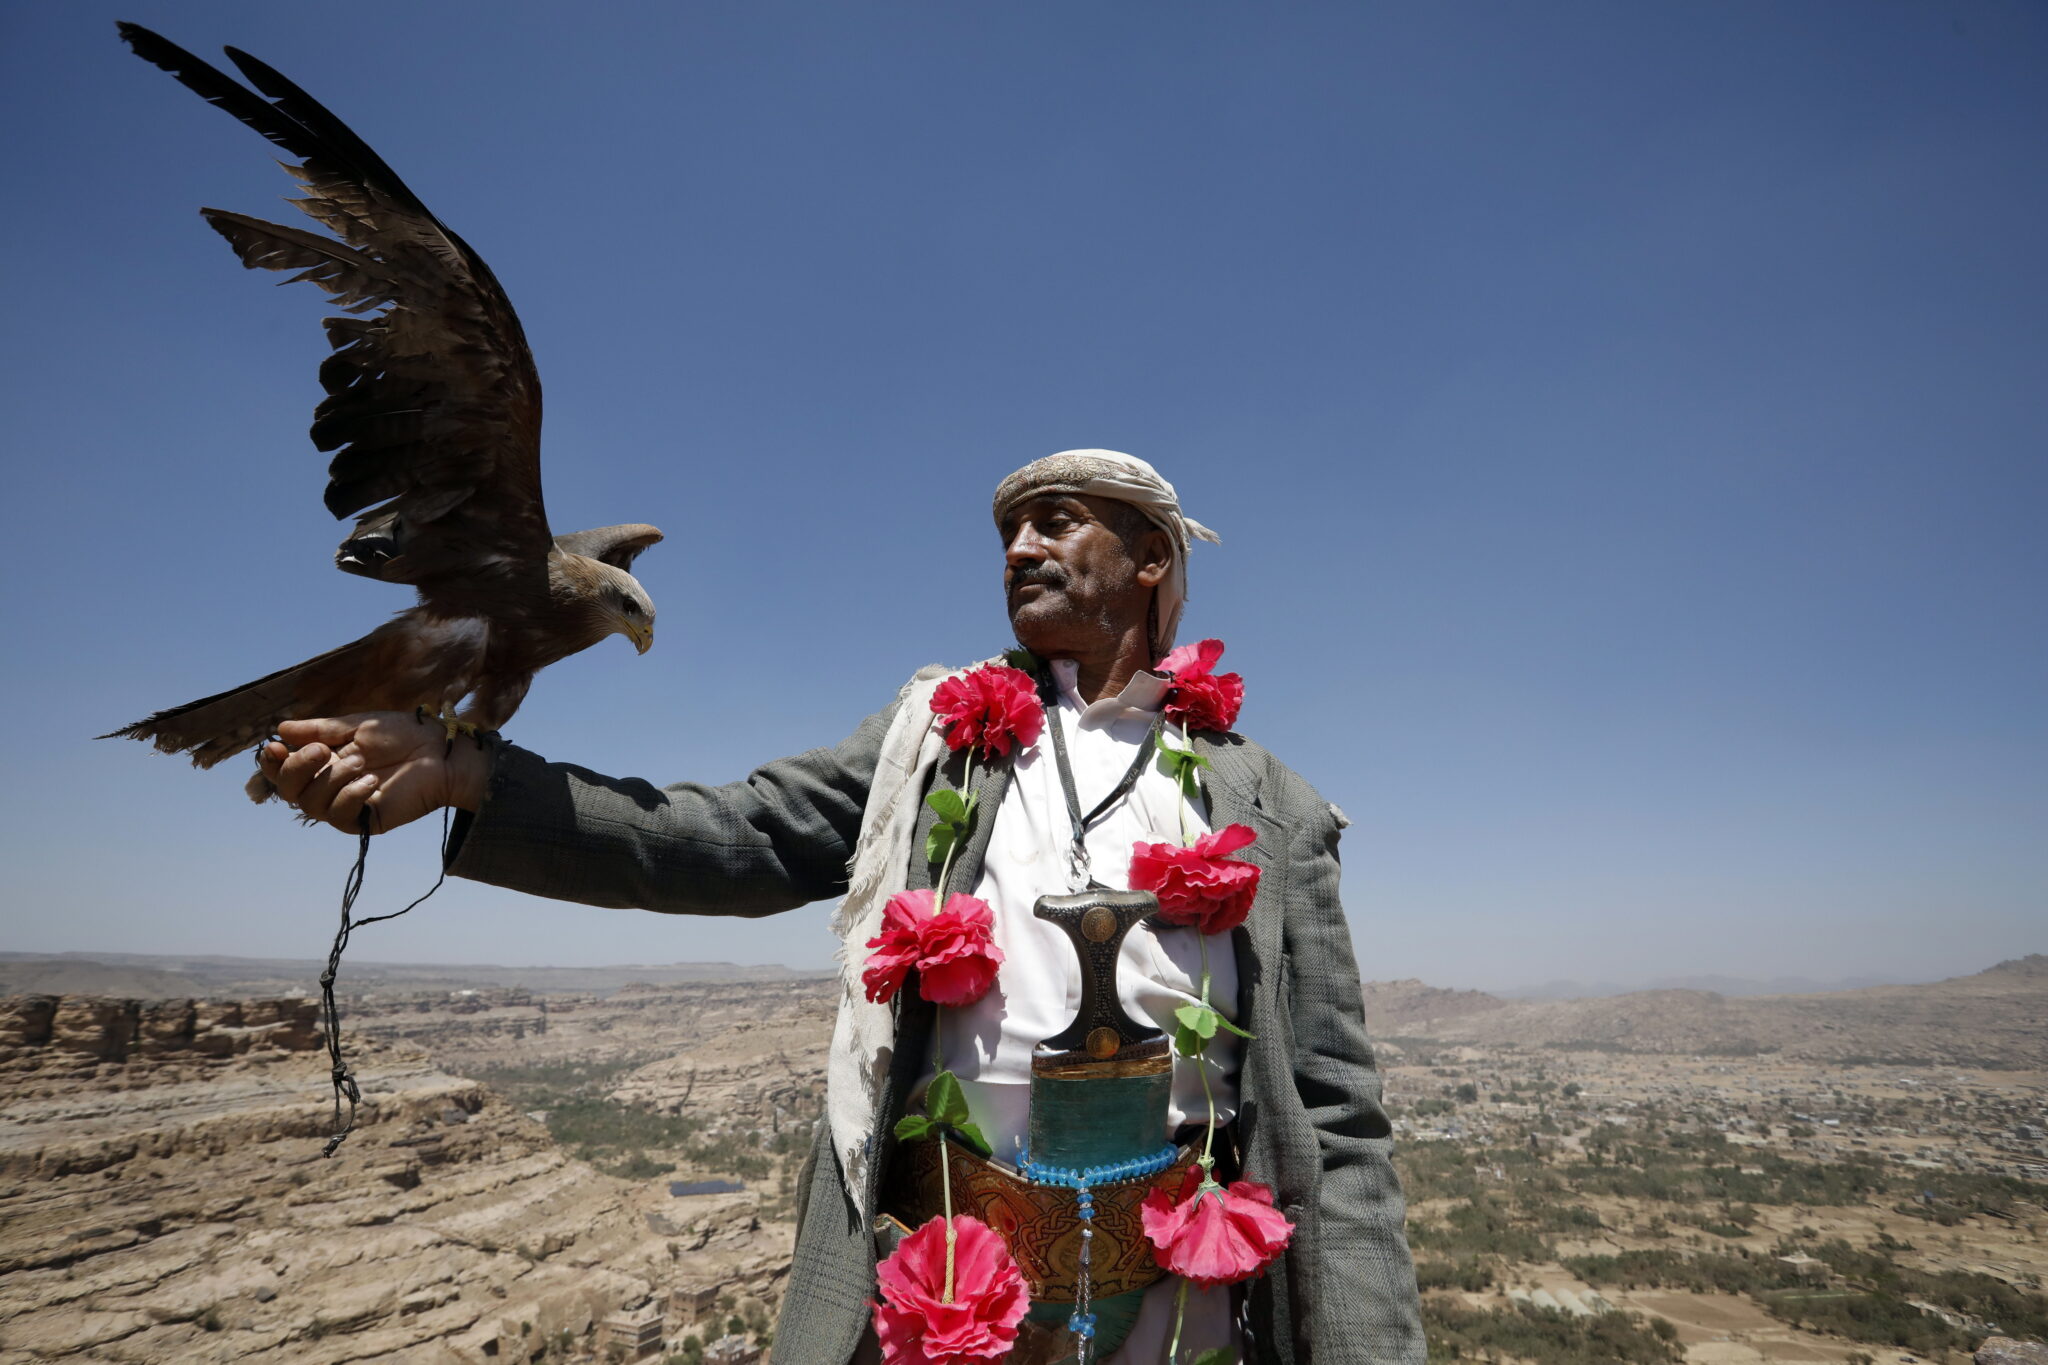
x=398, y=766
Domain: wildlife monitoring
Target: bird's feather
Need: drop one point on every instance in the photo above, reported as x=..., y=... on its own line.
x=617, y=546
x=433, y=401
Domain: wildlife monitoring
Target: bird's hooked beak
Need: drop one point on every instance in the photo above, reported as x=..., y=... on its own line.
x=641, y=633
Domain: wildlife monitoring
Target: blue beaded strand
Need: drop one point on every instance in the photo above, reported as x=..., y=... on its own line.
x=1068, y=1177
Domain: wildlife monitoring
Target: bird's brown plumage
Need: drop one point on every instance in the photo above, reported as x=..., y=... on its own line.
x=433, y=412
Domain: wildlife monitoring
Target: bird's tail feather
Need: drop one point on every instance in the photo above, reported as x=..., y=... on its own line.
x=220, y=726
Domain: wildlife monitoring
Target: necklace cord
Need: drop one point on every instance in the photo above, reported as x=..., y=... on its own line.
x=1049, y=695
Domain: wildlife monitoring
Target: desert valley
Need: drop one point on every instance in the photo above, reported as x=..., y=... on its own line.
x=595, y=1165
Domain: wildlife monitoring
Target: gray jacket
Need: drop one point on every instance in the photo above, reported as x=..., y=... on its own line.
x=1309, y=1119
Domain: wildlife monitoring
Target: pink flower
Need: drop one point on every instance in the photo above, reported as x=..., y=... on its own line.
x=1215, y=1236
x=1200, y=701
x=954, y=951
x=916, y=1325
x=893, y=952
x=1199, y=886
x=994, y=708
x=957, y=956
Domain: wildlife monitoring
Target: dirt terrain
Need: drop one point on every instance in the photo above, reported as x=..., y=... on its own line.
x=1649, y=1178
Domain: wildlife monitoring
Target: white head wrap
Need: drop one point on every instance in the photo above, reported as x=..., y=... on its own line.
x=1113, y=474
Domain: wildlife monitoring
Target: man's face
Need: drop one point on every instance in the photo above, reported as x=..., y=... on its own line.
x=1078, y=573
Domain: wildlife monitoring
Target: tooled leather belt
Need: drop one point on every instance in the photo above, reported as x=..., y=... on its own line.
x=1040, y=1223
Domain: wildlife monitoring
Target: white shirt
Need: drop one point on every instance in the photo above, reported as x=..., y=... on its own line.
x=1037, y=992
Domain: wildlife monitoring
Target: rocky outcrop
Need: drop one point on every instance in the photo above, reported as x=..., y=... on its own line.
x=56, y=1033
x=163, y=1197
x=2006, y=1351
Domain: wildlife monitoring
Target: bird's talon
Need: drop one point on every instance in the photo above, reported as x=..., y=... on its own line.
x=450, y=724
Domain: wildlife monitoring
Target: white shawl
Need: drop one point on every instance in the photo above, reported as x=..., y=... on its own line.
x=864, y=1037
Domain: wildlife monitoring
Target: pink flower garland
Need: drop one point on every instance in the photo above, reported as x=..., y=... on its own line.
x=953, y=951
x=994, y=708
x=951, y=1294
x=1199, y=886
x=1200, y=699
x=1208, y=1235
x=941, y=1310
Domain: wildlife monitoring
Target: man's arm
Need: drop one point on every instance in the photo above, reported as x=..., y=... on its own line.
x=779, y=838
x=1363, y=1277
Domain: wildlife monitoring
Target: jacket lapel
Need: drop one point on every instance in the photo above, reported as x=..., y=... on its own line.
x=1232, y=783
x=991, y=785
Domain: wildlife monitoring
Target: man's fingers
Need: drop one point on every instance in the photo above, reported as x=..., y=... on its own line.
x=296, y=770
x=348, y=804
x=318, y=795
x=330, y=730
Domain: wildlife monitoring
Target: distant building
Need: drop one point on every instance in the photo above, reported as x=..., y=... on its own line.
x=732, y=1350
x=689, y=1305
x=1805, y=1266
x=637, y=1333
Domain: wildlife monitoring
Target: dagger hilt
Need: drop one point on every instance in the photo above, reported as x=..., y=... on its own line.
x=1096, y=922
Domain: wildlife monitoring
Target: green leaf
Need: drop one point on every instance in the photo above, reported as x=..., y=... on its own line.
x=1189, y=1043
x=1200, y=1018
x=911, y=1127
x=970, y=1136
x=1234, y=1028
x=938, y=843
x=1021, y=658
x=948, y=803
x=967, y=816
x=1216, y=1355
x=944, y=1100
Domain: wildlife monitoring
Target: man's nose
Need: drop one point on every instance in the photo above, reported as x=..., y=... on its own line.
x=1024, y=548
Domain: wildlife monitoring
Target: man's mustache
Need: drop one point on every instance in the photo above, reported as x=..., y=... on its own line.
x=1044, y=572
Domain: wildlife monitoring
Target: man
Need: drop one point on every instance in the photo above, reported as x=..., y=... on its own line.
x=1095, y=577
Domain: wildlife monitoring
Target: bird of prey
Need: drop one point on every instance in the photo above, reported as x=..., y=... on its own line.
x=432, y=410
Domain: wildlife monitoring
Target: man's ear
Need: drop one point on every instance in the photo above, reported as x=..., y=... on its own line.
x=1155, y=557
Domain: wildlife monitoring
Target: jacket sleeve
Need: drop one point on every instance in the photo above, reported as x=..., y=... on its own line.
x=779, y=838
x=1362, y=1282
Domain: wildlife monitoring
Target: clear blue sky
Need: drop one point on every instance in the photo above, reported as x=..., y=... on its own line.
x=1625, y=423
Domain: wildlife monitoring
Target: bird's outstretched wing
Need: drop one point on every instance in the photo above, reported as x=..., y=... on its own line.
x=433, y=406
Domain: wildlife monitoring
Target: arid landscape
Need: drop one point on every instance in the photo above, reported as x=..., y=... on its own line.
x=587, y=1165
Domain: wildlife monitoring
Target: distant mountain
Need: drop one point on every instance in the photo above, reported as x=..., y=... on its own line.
x=1398, y=1007
x=150, y=975
x=1720, y=985
x=1993, y=1019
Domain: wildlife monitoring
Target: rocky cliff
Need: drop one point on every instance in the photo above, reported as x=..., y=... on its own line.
x=165, y=1199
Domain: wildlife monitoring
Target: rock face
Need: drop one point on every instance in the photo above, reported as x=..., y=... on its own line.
x=43, y=1032
x=2006, y=1351
x=164, y=1198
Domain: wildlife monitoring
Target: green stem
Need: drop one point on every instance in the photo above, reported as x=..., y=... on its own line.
x=946, y=1185
x=1188, y=792
x=938, y=1018
x=959, y=837
x=1180, y=1312
x=938, y=904
x=1202, y=1068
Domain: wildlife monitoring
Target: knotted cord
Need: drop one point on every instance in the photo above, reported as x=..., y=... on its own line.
x=345, y=1087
